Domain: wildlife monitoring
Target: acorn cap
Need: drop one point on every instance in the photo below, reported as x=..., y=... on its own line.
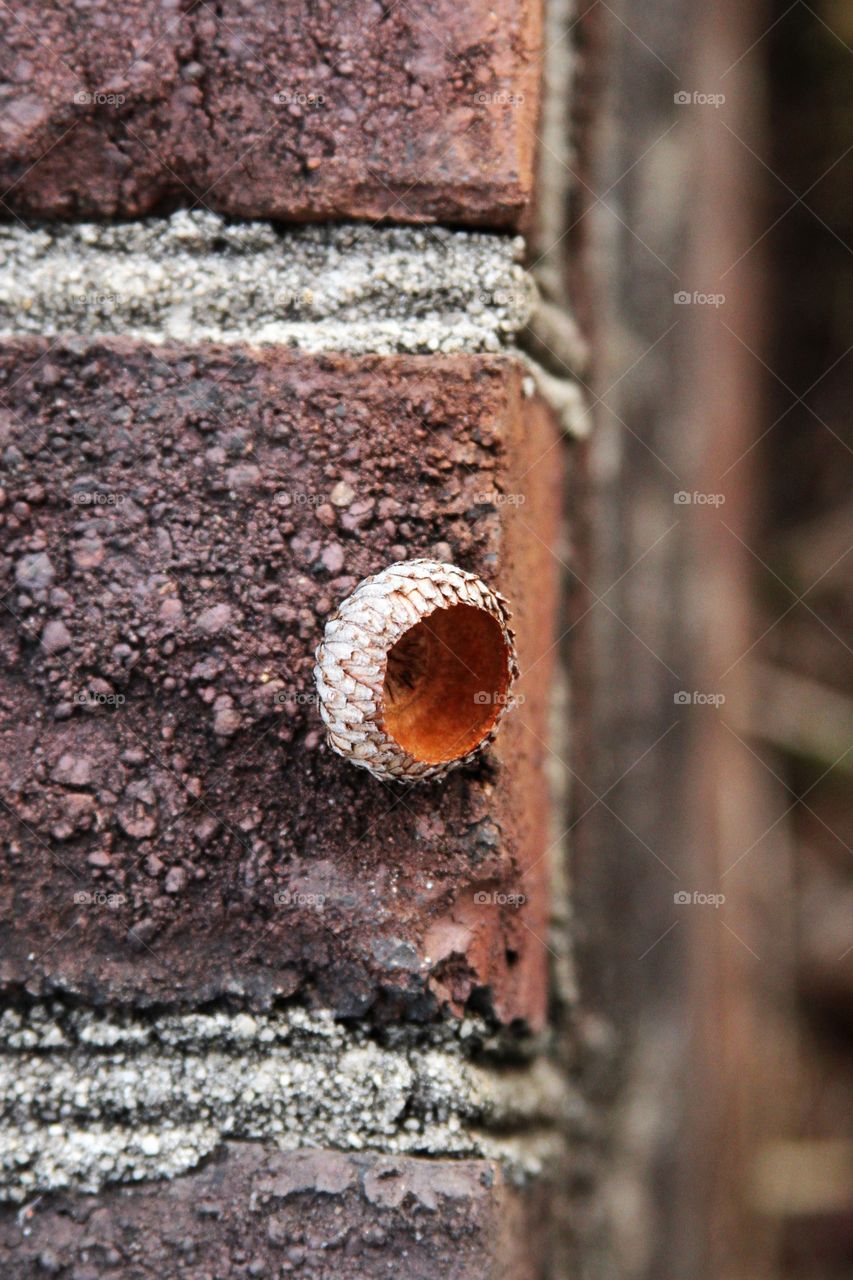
x=415, y=670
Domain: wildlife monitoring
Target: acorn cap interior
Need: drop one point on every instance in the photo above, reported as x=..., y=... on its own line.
x=446, y=681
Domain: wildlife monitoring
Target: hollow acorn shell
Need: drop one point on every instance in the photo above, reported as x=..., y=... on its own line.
x=352, y=661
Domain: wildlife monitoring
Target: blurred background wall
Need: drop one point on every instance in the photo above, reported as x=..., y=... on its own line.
x=711, y=803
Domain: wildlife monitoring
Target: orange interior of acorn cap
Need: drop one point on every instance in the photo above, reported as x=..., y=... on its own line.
x=446, y=681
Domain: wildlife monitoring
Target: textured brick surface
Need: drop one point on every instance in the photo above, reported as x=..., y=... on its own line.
x=286, y=109
x=254, y=1211
x=177, y=525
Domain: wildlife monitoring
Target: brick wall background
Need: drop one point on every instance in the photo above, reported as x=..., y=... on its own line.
x=290, y=292
x=262, y=1013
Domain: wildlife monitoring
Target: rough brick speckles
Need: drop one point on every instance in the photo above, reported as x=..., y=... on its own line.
x=320, y=1215
x=284, y=109
x=177, y=526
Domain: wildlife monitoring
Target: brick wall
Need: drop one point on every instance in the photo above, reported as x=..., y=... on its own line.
x=262, y=1013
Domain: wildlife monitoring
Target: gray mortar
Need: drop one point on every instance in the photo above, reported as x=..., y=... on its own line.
x=195, y=278
x=90, y=1098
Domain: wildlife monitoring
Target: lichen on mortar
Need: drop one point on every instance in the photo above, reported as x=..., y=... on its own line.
x=91, y=1097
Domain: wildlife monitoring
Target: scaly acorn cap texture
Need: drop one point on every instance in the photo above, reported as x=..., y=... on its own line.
x=415, y=670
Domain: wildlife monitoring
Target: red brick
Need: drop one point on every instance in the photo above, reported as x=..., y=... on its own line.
x=410, y=111
x=319, y=1215
x=146, y=556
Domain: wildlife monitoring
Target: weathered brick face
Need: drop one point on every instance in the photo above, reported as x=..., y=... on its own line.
x=255, y=1211
x=177, y=522
x=177, y=525
x=284, y=109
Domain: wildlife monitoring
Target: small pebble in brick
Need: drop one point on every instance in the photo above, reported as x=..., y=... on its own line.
x=55, y=637
x=215, y=619
x=342, y=494
x=333, y=557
